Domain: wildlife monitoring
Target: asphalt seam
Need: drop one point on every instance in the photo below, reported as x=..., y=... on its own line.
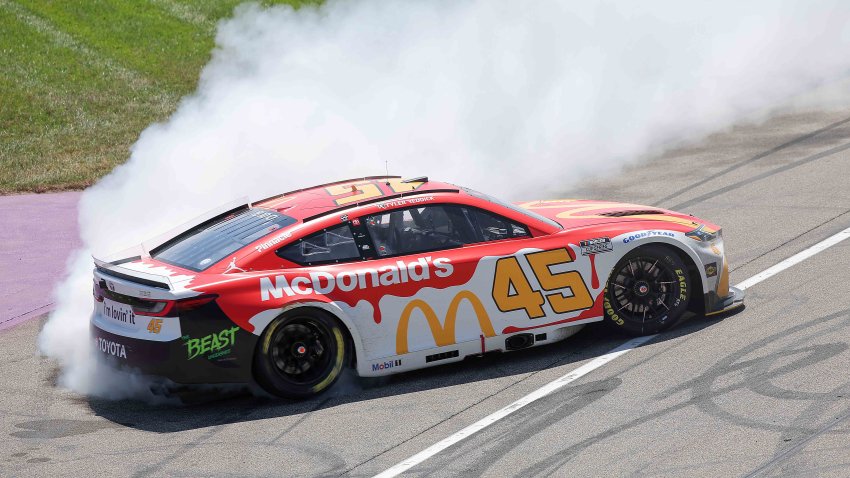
x=758, y=177
x=26, y=313
x=796, y=448
x=789, y=241
x=753, y=159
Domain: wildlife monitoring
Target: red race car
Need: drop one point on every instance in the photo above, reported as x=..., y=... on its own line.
x=387, y=275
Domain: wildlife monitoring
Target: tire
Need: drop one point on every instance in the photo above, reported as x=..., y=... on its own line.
x=301, y=354
x=647, y=292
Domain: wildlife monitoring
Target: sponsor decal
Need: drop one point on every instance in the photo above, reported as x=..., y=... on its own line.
x=641, y=235
x=405, y=202
x=716, y=250
x=596, y=246
x=343, y=218
x=320, y=282
x=683, y=287
x=443, y=334
x=611, y=312
x=355, y=222
x=120, y=314
x=155, y=326
x=111, y=286
x=711, y=269
x=109, y=347
x=701, y=234
x=386, y=365
x=215, y=344
x=513, y=291
x=233, y=267
x=273, y=242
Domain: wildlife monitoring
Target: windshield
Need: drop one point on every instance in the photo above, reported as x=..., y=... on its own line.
x=514, y=207
x=199, y=248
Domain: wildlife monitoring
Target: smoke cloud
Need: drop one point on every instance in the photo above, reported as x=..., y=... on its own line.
x=514, y=99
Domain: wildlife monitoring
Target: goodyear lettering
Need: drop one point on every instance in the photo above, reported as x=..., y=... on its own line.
x=214, y=344
x=611, y=312
x=320, y=282
x=109, y=347
x=641, y=235
x=386, y=365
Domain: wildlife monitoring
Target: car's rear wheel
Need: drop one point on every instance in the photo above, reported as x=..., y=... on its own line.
x=648, y=291
x=301, y=354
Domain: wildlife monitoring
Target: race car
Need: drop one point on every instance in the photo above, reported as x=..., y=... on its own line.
x=387, y=275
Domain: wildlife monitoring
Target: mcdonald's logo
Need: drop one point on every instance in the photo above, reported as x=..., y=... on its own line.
x=444, y=334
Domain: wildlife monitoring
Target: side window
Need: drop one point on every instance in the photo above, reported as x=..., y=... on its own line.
x=330, y=245
x=493, y=227
x=420, y=229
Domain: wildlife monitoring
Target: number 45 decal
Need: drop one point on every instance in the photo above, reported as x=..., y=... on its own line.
x=154, y=326
x=512, y=290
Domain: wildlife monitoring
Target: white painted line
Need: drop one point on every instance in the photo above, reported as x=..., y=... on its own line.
x=590, y=366
x=531, y=397
x=795, y=259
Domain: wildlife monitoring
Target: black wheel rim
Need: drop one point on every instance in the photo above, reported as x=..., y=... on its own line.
x=643, y=289
x=302, y=351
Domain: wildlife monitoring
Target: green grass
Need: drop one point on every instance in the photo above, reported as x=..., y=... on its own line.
x=79, y=80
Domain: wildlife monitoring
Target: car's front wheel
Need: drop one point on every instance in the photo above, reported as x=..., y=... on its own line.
x=301, y=354
x=648, y=291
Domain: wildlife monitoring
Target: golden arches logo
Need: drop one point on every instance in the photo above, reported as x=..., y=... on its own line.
x=444, y=334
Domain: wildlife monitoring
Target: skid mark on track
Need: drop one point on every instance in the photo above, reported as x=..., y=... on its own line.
x=59, y=428
x=734, y=373
x=758, y=177
x=304, y=416
x=525, y=377
x=751, y=160
x=528, y=422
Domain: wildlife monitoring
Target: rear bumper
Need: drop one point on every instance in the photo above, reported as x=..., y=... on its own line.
x=717, y=305
x=211, y=350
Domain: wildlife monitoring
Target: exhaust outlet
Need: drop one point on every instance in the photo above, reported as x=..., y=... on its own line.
x=519, y=341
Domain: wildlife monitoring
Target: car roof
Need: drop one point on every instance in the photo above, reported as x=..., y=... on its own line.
x=309, y=203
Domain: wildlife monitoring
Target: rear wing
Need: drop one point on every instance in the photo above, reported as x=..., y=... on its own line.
x=115, y=269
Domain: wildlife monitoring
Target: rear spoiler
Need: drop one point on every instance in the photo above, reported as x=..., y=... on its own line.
x=112, y=264
x=115, y=269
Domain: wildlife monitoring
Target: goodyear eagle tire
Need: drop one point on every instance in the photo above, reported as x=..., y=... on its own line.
x=301, y=354
x=647, y=292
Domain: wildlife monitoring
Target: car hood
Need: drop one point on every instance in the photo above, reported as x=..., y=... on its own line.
x=575, y=213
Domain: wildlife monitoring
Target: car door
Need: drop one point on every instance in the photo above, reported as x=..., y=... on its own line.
x=446, y=295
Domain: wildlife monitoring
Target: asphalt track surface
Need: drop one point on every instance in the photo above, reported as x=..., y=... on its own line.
x=764, y=392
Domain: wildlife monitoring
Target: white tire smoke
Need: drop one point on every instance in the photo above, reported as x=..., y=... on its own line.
x=514, y=99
